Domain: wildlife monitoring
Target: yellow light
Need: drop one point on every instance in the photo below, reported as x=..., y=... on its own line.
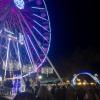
x=84, y=83
x=92, y=83
x=79, y=83
x=78, y=80
x=68, y=81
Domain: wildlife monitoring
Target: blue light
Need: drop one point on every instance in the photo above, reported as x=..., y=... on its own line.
x=85, y=73
x=19, y=3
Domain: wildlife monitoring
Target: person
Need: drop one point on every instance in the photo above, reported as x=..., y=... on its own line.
x=44, y=94
x=58, y=93
x=70, y=93
x=53, y=91
x=25, y=96
x=90, y=95
x=2, y=98
x=80, y=93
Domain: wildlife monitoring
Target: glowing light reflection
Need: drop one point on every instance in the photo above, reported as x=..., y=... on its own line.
x=19, y=3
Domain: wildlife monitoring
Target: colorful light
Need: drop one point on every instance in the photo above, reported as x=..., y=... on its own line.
x=84, y=73
x=19, y=3
x=79, y=83
x=84, y=83
x=26, y=23
x=40, y=77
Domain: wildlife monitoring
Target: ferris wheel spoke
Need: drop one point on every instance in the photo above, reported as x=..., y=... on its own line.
x=39, y=8
x=15, y=48
x=40, y=34
x=2, y=60
x=2, y=49
x=26, y=44
x=40, y=17
x=39, y=31
x=29, y=54
x=14, y=19
x=34, y=48
x=25, y=41
x=19, y=58
x=9, y=21
x=33, y=35
x=41, y=26
x=1, y=40
x=7, y=58
x=26, y=24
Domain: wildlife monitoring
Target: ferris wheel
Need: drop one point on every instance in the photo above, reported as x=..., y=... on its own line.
x=25, y=36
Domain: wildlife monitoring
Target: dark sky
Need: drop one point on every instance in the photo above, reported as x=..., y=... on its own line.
x=74, y=27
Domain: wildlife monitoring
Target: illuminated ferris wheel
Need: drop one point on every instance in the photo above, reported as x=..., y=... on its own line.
x=25, y=36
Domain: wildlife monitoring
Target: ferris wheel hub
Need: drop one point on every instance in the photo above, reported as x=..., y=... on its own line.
x=19, y=4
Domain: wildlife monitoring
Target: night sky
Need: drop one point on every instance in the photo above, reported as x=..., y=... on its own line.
x=75, y=37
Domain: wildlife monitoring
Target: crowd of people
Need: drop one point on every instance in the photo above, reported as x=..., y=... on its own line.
x=57, y=92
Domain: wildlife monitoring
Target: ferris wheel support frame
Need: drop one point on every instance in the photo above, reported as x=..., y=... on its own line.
x=26, y=44
x=7, y=58
x=19, y=58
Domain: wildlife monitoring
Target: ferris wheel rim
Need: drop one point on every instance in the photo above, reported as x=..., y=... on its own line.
x=48, y=35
